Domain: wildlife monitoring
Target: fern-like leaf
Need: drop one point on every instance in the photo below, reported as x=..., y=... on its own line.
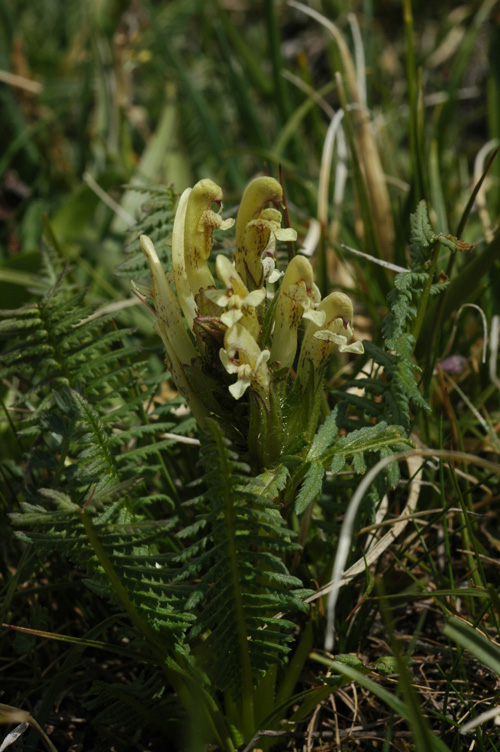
x=421, y=238
x=378, y=438
x=311, y=487
x=156, y=222
x=403, y=308
x=244, y=581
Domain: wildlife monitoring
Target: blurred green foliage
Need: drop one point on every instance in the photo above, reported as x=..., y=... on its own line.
x=102, y=96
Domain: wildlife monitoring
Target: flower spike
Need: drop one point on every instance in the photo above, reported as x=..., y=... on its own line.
x=226, y=326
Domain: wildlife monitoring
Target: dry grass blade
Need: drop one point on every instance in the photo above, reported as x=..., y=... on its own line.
x=9, y=714
x=380, y=546
x=366, y=146
x=347, y=526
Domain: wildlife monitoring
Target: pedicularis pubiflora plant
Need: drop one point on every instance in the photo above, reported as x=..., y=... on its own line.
x=236, y=357
x=216, y=578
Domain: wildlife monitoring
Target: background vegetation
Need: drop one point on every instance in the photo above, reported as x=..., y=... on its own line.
x=99, y=99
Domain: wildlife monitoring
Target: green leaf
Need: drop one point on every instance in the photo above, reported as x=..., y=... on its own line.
x=403, y=307
x=325, y=435
x=454, y=244
x=338, y=463
x=311, y=487
x=349, y=659
x=237, y=560
x=421, y=237
x=367, y=439
x=359, y=463
x=387, y=665
x=62, y=500
x=475, y=642
x=270, y=482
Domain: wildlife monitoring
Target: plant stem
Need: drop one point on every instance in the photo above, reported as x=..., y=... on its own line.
x=411, y=74
x=425, y=295
x=296, y=664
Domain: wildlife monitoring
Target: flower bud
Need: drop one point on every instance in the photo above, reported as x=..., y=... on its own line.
x=180, y=352
x=298, y=295
x=182, y=286
x=167, y=309
x=199, y=226
x=254, y=226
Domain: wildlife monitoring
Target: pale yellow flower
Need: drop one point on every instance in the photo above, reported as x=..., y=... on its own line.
x=298, y=298
x=240, y=304
x=257, y=229
x=320, y=340
x=200, y=221
x=242, y=355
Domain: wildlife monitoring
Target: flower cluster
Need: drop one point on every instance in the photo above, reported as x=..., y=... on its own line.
x=229, y=331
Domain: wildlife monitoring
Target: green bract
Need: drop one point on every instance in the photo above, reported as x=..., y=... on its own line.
x=224, y=337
